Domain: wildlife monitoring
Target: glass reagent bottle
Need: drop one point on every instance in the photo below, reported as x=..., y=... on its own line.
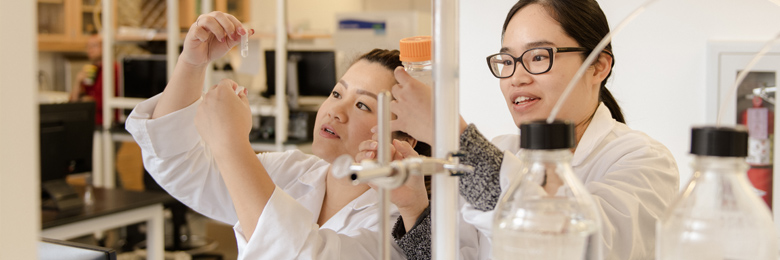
x=416, y=58
x=546, y=212
x=718, y=215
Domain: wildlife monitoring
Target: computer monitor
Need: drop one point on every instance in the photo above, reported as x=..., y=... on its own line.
x=316, y=72
x=143, y=76
x=66, y=132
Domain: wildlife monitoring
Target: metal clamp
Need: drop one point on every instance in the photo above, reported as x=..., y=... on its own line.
x=395, y=174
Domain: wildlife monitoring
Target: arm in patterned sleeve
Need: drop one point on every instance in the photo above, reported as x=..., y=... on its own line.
x=416, y=244
x=480, y=188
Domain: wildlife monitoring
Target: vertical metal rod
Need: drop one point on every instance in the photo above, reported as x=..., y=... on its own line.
x=156, y=236
x=207, y=7
x=384, y=157
x=174, y=36
x=97, y=159
x=444, y=203
x=384, y=222
x=108, y=94
x=282, y=114
x=383, y=121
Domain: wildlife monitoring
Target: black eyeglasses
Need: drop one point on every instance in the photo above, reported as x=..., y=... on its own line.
x=535, y=61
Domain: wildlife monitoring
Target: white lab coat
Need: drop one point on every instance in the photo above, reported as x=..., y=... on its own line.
x=632, y=178
x=176, y=156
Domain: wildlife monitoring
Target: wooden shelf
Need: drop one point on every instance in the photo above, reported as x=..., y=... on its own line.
x=58, y=44
x=141, y=38
x=293, y=36
x=62, y=46
x=308, y=36
x=164, y=36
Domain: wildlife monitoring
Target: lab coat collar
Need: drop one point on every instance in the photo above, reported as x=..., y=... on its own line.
x=315, y=181
x=365, y=201
x=312, y=190
x=599, y=127
x=314, y=178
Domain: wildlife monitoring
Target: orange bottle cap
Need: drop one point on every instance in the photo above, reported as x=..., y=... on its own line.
x=414, y=49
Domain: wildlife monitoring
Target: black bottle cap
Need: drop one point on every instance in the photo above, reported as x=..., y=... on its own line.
x=543, y=136
x=719, y=141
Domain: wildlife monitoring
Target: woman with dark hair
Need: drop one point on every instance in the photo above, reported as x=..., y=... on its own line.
x=285, y=205
x=631, y=176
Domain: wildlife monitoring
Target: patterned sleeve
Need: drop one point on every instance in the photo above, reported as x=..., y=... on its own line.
x=481, y=188
x=417, y=243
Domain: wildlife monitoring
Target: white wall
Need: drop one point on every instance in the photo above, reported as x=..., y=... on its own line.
x=307, y=15
x=660, y=69
x=480, y=95
x=318, y=16
x=19, y=192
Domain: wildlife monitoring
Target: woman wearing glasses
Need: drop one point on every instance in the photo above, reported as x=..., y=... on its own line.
x=631, y=176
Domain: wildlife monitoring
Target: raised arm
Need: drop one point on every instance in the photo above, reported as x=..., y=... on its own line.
x=174, y=152
x=224, y=121
x=209, y=38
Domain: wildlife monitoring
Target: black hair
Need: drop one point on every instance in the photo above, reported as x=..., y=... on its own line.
x=584, y=21
x=390, y=59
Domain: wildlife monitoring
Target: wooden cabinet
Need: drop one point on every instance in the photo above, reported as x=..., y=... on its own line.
x=65, y=25
x=56, y=26
x=189, y=10
x=238, y=8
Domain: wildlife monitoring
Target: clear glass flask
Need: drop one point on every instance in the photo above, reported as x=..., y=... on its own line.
x=416, y=58
x=718, y=215
x=546, y=212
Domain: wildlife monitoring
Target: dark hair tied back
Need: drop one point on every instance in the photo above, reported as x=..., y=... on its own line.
x=390, y=59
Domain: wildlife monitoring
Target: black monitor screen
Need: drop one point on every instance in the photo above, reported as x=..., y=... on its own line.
x=316, y=72
x=66, y=139
x=143, y=76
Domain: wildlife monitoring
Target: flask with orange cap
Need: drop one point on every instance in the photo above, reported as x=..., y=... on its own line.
x=416, y=58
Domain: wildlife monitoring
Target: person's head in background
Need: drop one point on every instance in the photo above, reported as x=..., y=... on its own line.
x=94, y=48
x=556, y=24
x=346, y=117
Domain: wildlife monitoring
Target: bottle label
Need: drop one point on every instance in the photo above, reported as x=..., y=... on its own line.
x=757, y=122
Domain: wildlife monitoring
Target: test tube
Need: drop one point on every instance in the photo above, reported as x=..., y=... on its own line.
x=245, y=45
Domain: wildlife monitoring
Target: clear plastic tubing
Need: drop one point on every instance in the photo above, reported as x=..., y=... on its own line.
x=416, y=58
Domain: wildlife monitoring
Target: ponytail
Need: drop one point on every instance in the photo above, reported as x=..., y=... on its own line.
x=609, y=101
